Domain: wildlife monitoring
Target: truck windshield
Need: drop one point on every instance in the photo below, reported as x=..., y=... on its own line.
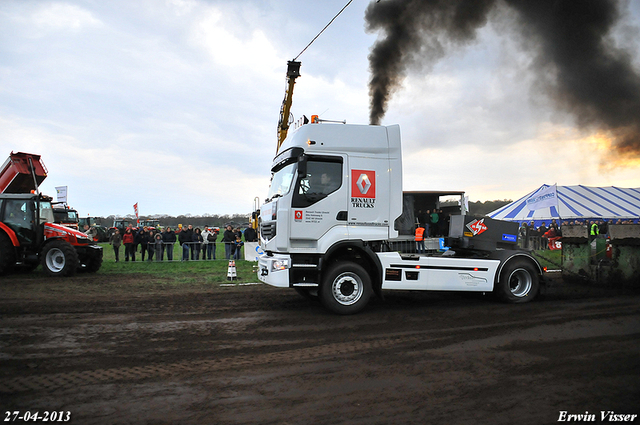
x=281, y=181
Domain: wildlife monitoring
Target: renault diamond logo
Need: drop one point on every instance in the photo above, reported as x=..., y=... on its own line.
x=363, y=184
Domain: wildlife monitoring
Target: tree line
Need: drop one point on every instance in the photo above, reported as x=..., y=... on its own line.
x=200, y=221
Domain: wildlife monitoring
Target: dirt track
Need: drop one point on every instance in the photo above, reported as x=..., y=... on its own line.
x=254, y=354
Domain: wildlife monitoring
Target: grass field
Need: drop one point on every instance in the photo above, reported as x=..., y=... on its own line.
x=208, y=271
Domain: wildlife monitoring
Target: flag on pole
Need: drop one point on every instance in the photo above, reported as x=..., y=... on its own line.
x=61, y=194
x=545, y=198
x=135, y=208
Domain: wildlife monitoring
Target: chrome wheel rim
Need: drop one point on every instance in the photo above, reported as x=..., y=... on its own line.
x=55, y=260
x=520, y=282
x=347, y=288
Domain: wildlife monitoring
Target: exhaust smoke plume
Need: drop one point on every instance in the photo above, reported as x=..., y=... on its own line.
x=591, y=78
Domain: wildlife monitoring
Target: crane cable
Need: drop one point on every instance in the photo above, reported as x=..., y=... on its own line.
x=326, y=26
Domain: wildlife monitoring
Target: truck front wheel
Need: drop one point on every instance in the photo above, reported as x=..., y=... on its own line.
x=346, y=288
x=519, y=282
x=59, y=258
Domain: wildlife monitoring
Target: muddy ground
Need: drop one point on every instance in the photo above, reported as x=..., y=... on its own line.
x=259, y=355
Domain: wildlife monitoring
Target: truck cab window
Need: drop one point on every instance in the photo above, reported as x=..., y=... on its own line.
x=322, y=178
x=281, y=181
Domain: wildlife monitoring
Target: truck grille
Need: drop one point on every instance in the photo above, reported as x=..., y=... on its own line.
x=267, y=231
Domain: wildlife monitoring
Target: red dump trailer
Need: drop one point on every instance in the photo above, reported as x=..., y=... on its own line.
x=16, y=176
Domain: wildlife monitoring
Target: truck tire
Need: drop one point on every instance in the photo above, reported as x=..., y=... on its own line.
x=346, y=288
x=59, y=258
x=7, y=255
x=519, y=282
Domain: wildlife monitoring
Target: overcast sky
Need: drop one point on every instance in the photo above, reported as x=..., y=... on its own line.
x=173, y=104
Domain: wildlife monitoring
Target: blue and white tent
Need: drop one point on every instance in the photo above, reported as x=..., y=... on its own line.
x=573, y=203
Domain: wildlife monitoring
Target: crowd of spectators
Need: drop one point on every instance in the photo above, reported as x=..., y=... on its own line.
x=196, y=244
x=538, y=237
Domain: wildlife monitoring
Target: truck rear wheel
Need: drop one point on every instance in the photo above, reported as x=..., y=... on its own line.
x=59, y=258
x=346, y=288
x=7, y=255
x=519, y=282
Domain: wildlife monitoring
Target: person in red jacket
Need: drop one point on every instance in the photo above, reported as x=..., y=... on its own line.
x=129, y=247
x=420, y=238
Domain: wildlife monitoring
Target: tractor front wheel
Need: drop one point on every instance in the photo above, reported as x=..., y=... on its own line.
x=59, y=258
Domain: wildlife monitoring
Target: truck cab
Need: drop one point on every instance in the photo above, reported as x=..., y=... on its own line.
x=329, y=226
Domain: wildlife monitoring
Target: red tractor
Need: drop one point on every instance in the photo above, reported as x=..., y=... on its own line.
x=28, y=234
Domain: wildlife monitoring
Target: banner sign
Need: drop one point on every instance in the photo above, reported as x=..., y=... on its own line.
x=544, y=199
x=61, y=194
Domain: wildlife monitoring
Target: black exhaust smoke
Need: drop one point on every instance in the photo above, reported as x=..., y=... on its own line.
x=590, y=78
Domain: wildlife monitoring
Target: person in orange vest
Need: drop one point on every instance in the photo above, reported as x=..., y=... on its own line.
x=420, y=238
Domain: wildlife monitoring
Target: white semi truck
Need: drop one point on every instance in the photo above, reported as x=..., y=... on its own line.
x=329, y=226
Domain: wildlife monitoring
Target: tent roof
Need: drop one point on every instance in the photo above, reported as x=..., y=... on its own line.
x=577, y=202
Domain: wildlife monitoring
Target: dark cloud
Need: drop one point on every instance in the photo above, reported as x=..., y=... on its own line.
x=576, y=61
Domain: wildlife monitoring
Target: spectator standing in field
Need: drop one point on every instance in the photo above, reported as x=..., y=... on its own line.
x=205, y=243
x=238, y=246
x=184, y=239
x=250, y=235
x=142, y=239
x=196, y=238
x=159, y=246
x=115, y=240
x=151, y=246
x=213, y=238
x=168, y=240
x=229, y=239
x=129, y=247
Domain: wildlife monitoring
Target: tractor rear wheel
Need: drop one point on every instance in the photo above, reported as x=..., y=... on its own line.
x=59, y=258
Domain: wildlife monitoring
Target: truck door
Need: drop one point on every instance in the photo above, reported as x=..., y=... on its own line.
x=369, y=202
x=319, y=200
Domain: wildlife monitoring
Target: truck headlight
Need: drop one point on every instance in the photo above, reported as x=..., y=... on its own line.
x=282, y=264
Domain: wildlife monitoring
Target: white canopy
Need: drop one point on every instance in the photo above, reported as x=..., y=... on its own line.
x=571, y=203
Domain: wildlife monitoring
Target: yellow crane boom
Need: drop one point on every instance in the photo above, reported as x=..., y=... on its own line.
x=293, y=72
